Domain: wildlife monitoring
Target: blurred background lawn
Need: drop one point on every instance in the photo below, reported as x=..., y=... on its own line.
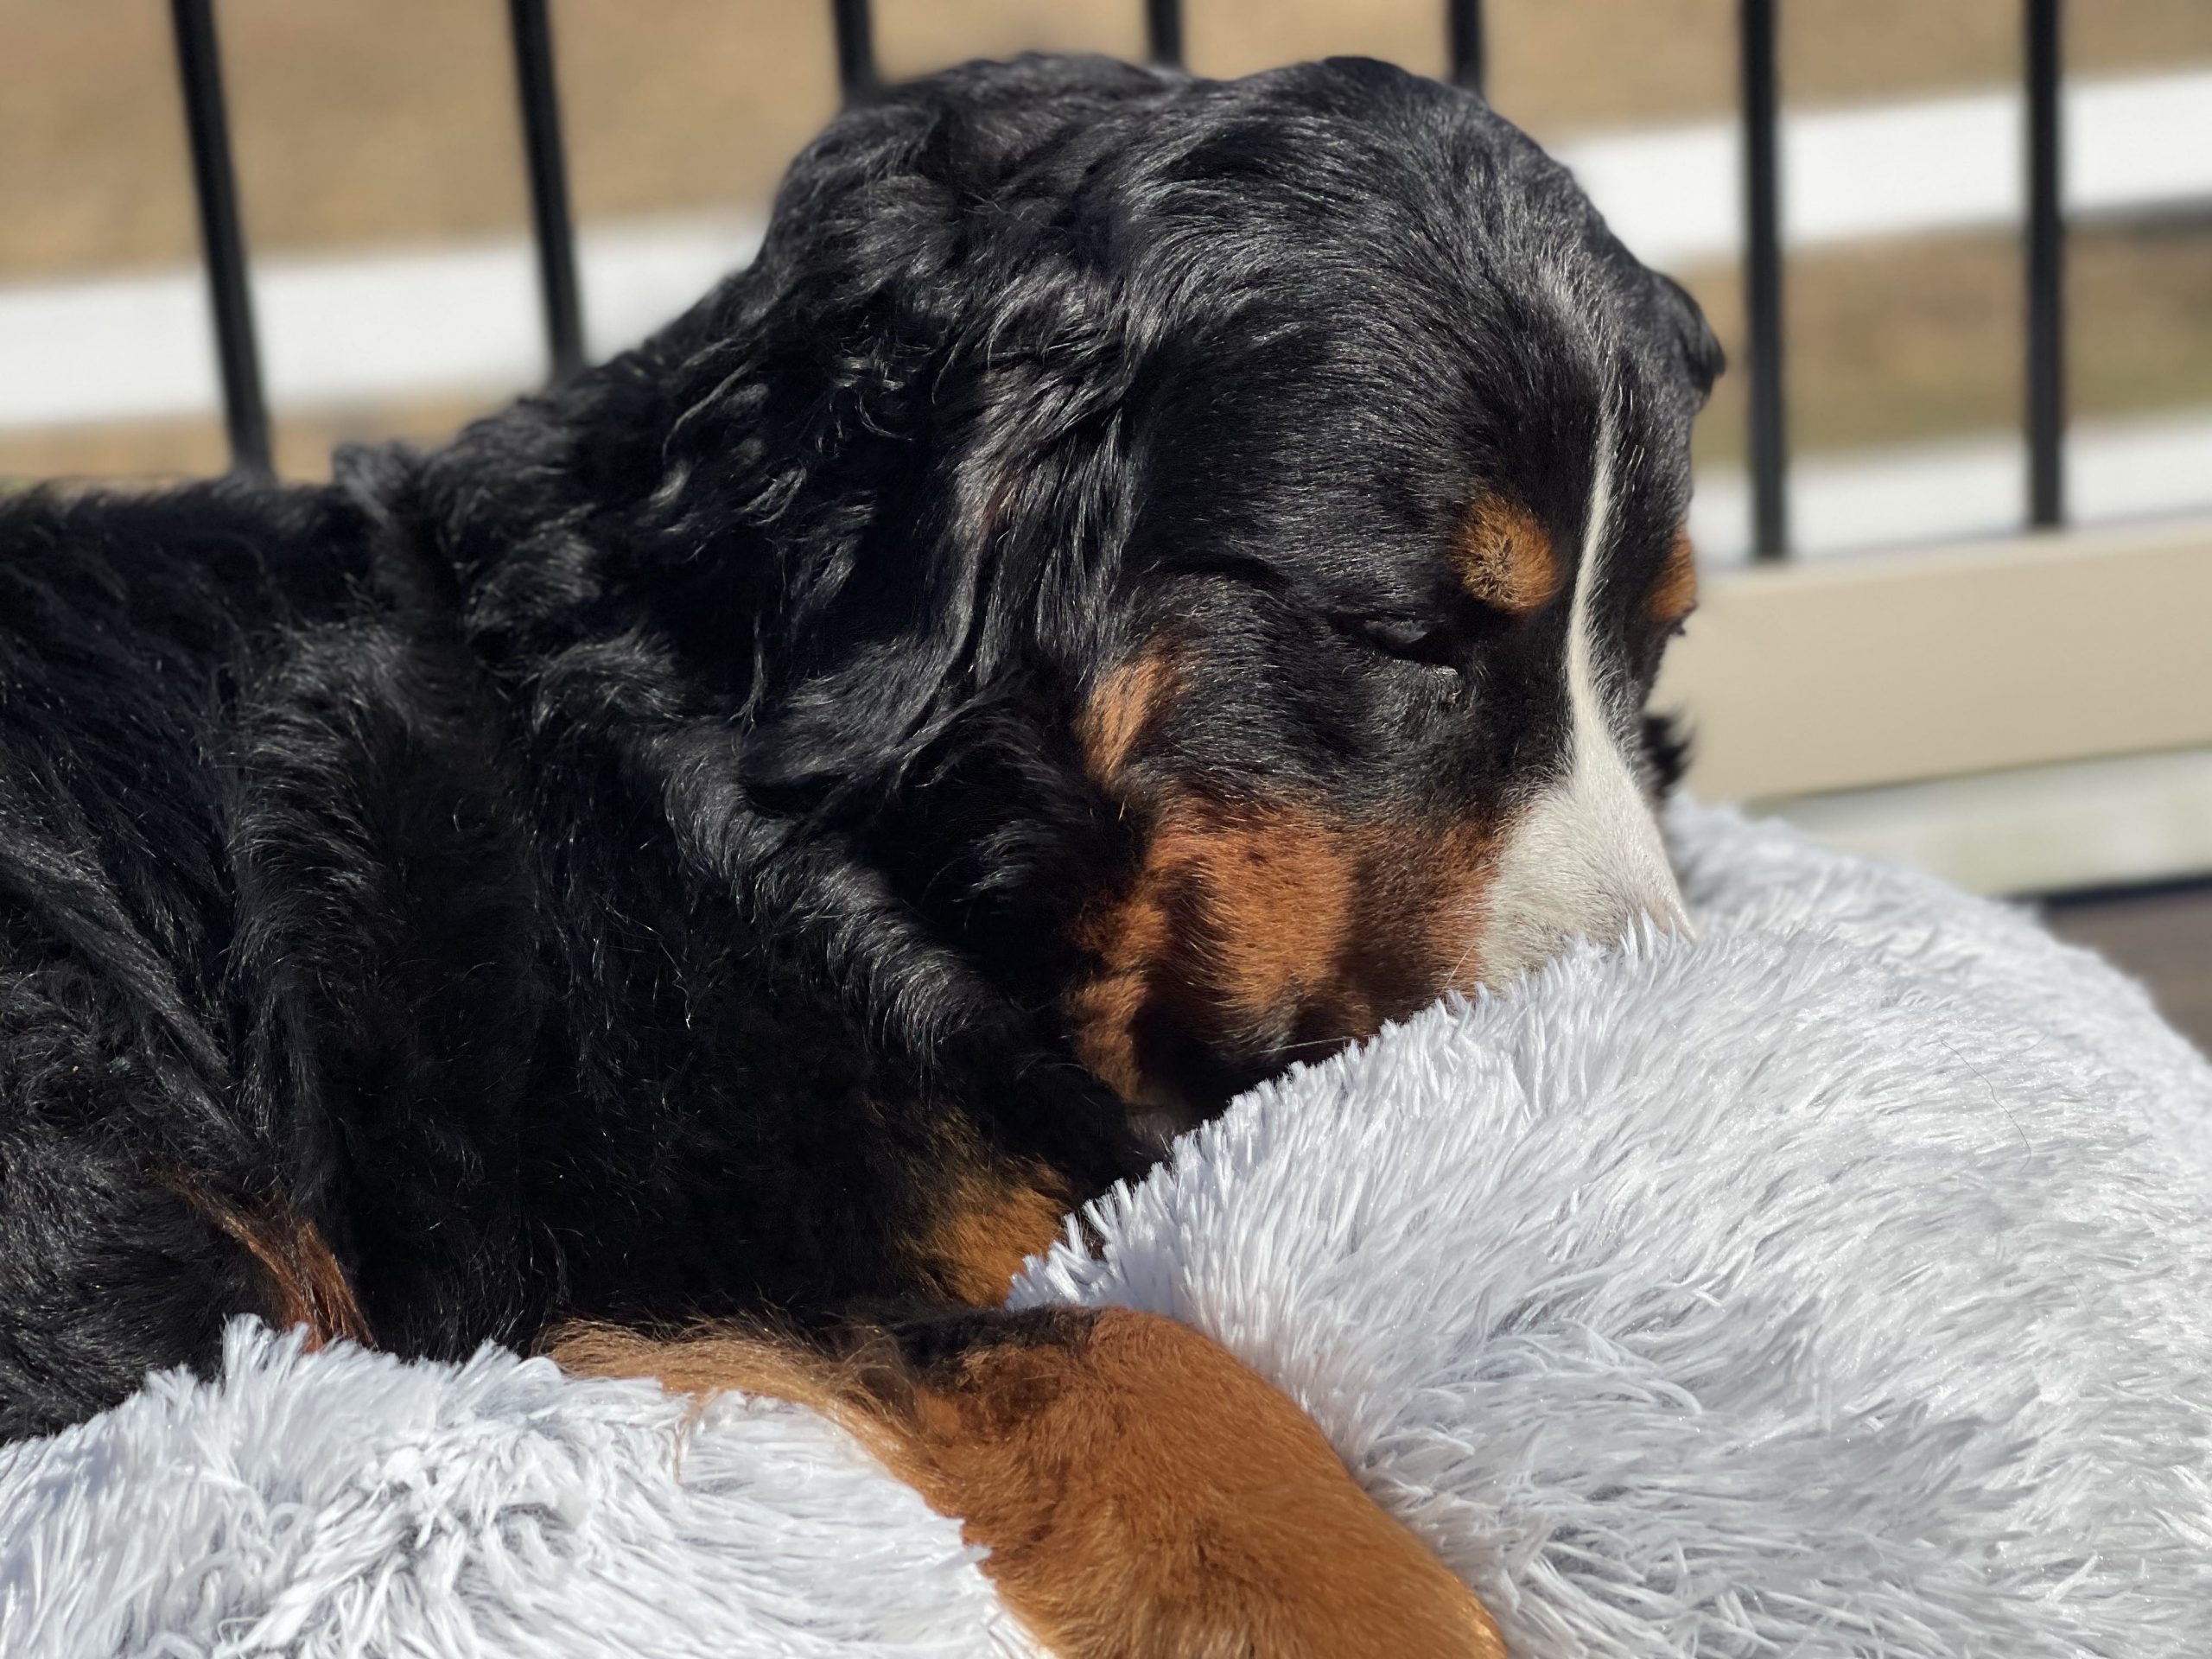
x=363, y=126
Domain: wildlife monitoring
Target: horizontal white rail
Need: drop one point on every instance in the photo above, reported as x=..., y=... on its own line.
x=1844, y=501
x=1673, y=194
x=341, y=329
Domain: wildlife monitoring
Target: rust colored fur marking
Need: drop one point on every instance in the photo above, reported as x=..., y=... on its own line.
x=992, y=1223
x=306, y=1285
x=1271, y=925
x=1130, y=939
x=1271, y=893
x=1142, y=1493
x=1673, y=596
x=1505, y=559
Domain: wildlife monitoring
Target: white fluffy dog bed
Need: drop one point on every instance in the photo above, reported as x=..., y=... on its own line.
x=1838, y=1284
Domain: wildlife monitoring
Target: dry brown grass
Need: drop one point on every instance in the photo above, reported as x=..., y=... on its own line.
x=1896, y=342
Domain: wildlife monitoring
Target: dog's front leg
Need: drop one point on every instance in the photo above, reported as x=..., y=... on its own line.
x=1144, y=1495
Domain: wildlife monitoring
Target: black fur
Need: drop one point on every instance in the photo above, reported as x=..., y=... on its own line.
x=623, y=863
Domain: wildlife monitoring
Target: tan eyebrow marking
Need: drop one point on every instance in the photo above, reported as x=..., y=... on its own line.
x=1673, y=595
x=1505, y=559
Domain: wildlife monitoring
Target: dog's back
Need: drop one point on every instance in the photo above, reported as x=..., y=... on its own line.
x=339, y=986
x=127, y=635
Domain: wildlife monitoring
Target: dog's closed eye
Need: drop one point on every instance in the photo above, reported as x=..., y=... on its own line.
x=1407, y=639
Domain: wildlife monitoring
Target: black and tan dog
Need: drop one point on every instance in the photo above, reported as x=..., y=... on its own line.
x=1146, y=578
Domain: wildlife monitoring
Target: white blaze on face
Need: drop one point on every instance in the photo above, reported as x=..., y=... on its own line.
x=1584, y=856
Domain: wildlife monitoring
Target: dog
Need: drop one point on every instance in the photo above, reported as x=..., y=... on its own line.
x=1144, y=579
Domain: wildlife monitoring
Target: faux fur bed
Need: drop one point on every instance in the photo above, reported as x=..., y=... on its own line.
x=1838, y=1284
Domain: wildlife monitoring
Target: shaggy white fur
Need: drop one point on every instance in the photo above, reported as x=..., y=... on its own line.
x=1838, y=1284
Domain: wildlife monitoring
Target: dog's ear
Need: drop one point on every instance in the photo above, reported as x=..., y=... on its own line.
x=1689, y=333
x=907, y=428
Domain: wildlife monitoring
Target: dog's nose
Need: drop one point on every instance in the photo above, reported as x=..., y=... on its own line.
x=1585, y=859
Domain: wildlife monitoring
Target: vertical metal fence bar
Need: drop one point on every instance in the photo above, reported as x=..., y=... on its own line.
x=199, y=78
x=1163, y=31
x=855, y=30
x=1769, y=426
x=2046, y=270
x=548, y=185
x=1463, y=23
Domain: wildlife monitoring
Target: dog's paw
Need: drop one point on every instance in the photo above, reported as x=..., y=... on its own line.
x=1145, y=1496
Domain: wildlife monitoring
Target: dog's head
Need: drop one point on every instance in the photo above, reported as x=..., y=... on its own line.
x=1211, y=542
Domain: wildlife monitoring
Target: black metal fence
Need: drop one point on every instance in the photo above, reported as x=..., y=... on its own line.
x=246, y=414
